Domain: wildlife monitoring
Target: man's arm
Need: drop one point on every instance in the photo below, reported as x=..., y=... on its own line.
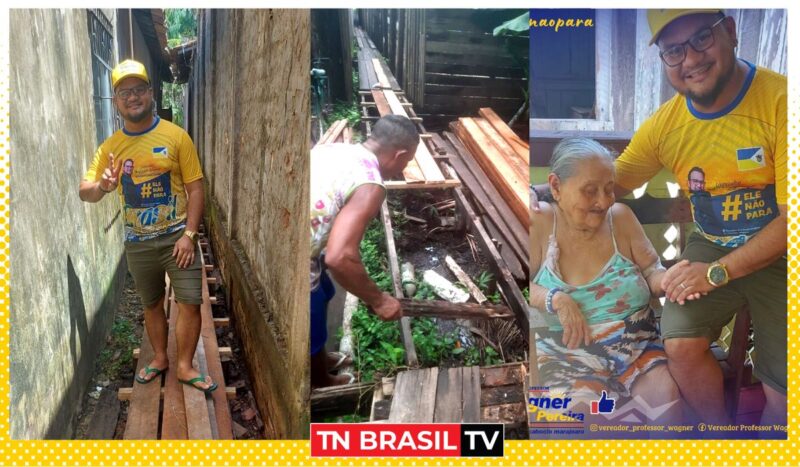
x=184, y=250
x=759, y=252
x=343, y=256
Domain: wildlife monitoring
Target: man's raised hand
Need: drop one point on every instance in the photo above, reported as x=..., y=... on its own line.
x=110, y=178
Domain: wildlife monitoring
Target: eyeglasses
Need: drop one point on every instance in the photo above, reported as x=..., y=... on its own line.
x=138, y=91
x=701, y=41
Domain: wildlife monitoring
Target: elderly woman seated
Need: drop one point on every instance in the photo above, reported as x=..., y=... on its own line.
x=595, y=272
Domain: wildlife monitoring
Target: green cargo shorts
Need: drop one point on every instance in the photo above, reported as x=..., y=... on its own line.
x=148, y=260
x=764, y=291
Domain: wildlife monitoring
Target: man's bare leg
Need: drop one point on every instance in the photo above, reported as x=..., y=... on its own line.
x=775, y=410
x=187, y=333
x=699, y=377
x=155, y=322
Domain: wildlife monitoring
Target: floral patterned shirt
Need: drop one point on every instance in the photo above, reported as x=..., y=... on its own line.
x=337, y=170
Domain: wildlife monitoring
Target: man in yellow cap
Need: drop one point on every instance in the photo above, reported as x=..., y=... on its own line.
x=728, y=123
x=153, y=166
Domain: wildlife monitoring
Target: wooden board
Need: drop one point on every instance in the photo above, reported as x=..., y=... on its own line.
x=198, y=422
x=208, y=337
x=521, y=147
x=414, y=398
x=511, y=415
x=402, y=185
x=106, y=415
x=489, y=198
x=500, y=395
x=339, y=399
x=504, y=148
x=334, y=132
x=381, y=103
x=142, y=422
x=383, y=81
x=471, y=394
x=509, y=181
x=173, y=425
x=397, y=283
x=444, y=309
x=503, y=375
x=449, y=408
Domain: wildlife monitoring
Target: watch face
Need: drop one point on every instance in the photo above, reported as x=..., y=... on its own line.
x=717, y=274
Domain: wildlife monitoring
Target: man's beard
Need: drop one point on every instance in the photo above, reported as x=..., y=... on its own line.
x=708, y=98
x=137, y=118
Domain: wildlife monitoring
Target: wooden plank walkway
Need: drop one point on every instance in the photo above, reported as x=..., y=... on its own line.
x=440, y=395
x=186, y=413
x=381, y=94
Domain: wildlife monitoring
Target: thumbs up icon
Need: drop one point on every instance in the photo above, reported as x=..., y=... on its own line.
x=604, y=405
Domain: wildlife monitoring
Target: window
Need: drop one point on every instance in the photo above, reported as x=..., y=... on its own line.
x=563, y=65
x=102, y=45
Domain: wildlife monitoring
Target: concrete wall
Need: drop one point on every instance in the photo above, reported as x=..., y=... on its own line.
x=66, y=256
x=249, y=111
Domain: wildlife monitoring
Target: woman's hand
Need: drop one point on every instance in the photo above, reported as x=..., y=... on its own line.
x=576, y=330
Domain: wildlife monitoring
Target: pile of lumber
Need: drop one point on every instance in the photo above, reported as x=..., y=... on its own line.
x=502, y=155
x=479, y=160
x=338, y=132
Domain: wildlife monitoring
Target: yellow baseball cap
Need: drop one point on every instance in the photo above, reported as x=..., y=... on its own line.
x=128, y=69
x=659, y=19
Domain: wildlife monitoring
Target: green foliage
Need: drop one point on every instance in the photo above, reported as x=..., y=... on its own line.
x=118, y=353
x=432, y=347
x=484, y=280
x=495, y=297
x=424, y=291
x=344, y=110
x=373, y=255
x=172, y=95
x=377, y=345
x=181, y=25
x=378, y=348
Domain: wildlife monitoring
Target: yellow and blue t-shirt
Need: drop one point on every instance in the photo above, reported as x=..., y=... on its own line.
x=739, y=153
x=156, y=164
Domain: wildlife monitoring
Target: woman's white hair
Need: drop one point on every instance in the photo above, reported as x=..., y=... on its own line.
x=572, y=151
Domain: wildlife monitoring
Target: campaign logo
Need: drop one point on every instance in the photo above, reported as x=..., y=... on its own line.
x=552, y=412
x=604, y=405
x=161, y=152
x=750, y=158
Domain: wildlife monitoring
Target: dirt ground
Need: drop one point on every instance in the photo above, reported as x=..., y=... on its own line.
x=115, y=369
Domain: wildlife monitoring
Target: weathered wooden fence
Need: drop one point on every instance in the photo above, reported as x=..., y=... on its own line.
x=448, y=62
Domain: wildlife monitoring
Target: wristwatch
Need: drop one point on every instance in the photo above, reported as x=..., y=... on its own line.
x=717, y=274
x=191, y=234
